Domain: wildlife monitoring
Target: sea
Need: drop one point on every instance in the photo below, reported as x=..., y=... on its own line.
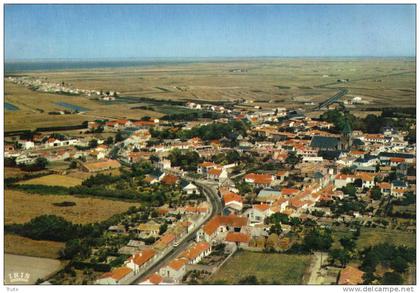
x=15, y=67
x=29, y=66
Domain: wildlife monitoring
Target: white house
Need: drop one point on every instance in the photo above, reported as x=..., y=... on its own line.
x=197, y=252
x=258, y=213
x=140, y=259
x=191, y=189
x=26, y=144
x=175, y=270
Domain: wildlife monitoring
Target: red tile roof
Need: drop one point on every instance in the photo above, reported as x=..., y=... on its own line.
x=170, y=179
x=194, y=251
x=350, y=276
x=230, y=196
x=237, y=237
x=261, y=207
x=289, y=191
x=215, y=172
x=259, y=178
x=143, y=256
x=155, y=279
x=117, y=274
x=178, y=263
x=231, y=220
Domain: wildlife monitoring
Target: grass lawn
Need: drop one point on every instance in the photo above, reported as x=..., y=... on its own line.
x=284, y=269
x=372, y=236
x=21, y=207
x=55, y=180
x=15, y=244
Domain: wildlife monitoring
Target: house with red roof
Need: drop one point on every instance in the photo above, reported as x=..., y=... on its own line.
x=258, y=212
x=233, y=201
x=204, y=167
x=115, y=277
x=385, y=187
x=169, y=179
x=197, y=252
x=139, y=260
x=175, y=270
x=289, y=192
x=216, y=229
x=259, y=180
x=238, y=238
x=341, y=180
x=350, y=276
x=282, y=175
x=153, y=279
x=217, y=174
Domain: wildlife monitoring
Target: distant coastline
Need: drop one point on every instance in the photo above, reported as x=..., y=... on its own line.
x=21, y=66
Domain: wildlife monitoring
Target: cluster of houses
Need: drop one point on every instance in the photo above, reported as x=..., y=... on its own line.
x=326, y=162
x=43, y=85
x=324, y=157
x=142, y=256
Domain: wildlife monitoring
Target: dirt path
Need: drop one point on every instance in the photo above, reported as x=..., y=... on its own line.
x=315, y=277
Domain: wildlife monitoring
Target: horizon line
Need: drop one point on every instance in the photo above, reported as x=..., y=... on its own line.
x=199, y=58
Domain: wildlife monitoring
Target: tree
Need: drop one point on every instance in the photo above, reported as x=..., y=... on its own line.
x=187, y=160
x=249, y=280
x=344, y=257
x=109, y=140
x=232, y=156
x=392, y=278
x=292, y=159
x=348, y=243
x=399, y=264
x=349, y=189
x=154, y=158
x=47, y=227
x=347, y=170
x=376, y=193
x=41, y=163
x=163, y=228
x=73, y=164
x=318, y=239
x=119, y=137
x=72, y=248
x=334, y=255
x=276, y=229
x=93, y=143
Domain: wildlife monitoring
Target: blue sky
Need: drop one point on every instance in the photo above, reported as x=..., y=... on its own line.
x=143, y=31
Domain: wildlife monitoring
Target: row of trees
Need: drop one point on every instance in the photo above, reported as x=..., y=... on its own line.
x=370, y=124
x=397, y=258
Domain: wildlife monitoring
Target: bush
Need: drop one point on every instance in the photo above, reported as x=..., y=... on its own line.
x=392, y=278
x=65, y=204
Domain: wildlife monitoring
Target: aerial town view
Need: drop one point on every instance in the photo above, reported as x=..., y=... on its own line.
x=209, y=145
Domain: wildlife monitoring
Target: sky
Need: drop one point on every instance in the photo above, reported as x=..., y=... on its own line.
x=179, y=31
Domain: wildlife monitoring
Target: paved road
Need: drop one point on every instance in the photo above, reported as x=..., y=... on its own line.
x=210, y=191
x=333, y=99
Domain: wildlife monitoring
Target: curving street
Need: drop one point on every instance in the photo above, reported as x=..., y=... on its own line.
x=209, y=189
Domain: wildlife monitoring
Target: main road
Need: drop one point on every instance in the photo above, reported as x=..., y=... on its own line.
x=210, y=191
x=333, y=99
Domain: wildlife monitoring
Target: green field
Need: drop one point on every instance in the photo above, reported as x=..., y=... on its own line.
x=373, y=236
x=284, y=269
